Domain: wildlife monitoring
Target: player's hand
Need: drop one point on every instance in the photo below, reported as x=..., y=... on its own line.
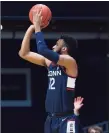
x=78, y=103
x=37, y=19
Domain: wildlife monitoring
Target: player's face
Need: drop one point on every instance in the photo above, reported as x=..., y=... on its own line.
x=58, y=47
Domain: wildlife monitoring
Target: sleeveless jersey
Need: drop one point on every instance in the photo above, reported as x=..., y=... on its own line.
x=60, y=92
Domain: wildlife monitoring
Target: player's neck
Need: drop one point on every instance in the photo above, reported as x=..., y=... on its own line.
x=64, y=53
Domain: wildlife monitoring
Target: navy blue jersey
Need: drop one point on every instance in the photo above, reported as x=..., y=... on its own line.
x=60, y=92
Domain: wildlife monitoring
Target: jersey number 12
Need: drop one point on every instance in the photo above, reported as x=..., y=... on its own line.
x=51, y=84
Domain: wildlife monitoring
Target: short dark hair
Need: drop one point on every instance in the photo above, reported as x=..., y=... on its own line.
x=72, y=45
x=96, y=128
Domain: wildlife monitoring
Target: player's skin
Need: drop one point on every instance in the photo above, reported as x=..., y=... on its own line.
x=64, y=59
x=78, y=103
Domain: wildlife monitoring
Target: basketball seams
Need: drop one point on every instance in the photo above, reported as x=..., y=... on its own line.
x=46, y=18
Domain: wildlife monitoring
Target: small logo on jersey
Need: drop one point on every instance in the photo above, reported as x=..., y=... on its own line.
x=64, y=119
x=38, y=42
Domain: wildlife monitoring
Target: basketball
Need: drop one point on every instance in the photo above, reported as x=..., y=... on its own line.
x=46, y=13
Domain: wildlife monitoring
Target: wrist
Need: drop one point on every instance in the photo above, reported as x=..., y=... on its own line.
x=32, y=27
x=76, y=112
x=29, y=31
x=37, y=29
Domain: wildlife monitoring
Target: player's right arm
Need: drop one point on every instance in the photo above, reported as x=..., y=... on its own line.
x=25, y=52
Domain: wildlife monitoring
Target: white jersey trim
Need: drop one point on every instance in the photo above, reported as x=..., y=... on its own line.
x=71, y=82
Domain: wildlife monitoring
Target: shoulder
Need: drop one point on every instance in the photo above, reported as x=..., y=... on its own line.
x=66, y=61
x=70, y=60
x=72, y=68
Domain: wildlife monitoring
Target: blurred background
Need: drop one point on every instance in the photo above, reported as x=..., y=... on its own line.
x=23, y=85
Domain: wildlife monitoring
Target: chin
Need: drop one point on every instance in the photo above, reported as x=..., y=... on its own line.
x=59, y=52
x=54, y=50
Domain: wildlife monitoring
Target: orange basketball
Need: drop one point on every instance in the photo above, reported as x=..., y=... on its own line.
x=46, y=13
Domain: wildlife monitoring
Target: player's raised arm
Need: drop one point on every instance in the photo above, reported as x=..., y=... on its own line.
x=64, y=59
x=25, y=52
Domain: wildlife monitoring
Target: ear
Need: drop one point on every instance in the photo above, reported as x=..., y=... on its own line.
x=64, y=49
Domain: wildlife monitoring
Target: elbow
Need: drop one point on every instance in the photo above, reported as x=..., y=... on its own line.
x=21, y=54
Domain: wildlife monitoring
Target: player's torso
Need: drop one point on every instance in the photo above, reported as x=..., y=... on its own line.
x=60, y=91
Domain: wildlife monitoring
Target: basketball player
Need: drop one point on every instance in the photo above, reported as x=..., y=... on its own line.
x=62, y=74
